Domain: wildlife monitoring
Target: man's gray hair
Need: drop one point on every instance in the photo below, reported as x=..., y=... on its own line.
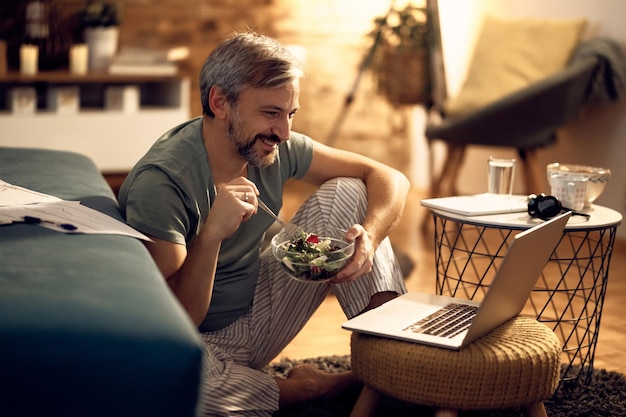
x=247, y=60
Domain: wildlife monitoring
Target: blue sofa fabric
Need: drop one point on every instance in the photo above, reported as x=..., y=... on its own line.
x=88, y=326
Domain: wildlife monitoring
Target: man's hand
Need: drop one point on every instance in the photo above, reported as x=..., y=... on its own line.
x=235, y=202
x=362, y=260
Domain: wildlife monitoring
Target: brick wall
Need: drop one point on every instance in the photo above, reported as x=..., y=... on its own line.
x=332, y=32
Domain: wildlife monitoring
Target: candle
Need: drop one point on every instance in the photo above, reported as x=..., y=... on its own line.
x=29, y=57
x=78, y=59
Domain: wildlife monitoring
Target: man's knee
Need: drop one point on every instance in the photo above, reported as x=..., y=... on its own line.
x=344, y=184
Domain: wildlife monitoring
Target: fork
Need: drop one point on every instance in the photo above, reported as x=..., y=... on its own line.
x=290, y=228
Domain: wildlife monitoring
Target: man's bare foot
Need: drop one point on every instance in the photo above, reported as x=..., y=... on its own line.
x=306, y=382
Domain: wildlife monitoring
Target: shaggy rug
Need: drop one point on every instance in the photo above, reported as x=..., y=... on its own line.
x=605, y=395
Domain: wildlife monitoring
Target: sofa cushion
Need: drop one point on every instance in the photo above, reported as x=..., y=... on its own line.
x=512, y=53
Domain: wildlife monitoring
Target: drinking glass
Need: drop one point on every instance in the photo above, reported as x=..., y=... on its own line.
x=500, y=175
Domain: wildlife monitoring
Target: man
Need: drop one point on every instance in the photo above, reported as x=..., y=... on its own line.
x=196, y=193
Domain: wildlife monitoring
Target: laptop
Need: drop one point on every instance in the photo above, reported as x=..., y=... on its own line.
x=454, y=323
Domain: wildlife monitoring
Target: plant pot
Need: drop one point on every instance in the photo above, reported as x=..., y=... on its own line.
x=403, y=76
x=102, y=43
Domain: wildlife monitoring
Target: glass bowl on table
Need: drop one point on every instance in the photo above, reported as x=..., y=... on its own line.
x=315, y=256
x=597, y=177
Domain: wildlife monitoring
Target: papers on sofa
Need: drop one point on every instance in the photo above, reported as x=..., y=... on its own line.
x=69, y=217
x=21, y=205
x=11, y=195
x=478, y=204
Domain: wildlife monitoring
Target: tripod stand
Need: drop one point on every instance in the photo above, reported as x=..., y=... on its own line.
x=365, y=64
x=436, y=91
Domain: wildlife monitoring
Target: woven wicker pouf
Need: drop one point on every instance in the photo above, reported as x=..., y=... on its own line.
x=515, y=365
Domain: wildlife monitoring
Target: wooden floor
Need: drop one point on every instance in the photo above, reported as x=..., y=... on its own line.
x=323, y=335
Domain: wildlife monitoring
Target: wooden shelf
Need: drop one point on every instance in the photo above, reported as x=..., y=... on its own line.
x=65, y=77
x=114, y=138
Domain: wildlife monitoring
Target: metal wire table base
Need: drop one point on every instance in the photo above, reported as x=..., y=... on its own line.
x=567, y=297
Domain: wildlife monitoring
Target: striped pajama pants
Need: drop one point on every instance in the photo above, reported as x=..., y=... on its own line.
x=233, y=384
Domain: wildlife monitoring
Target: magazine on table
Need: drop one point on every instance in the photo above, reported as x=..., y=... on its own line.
x=479, y=204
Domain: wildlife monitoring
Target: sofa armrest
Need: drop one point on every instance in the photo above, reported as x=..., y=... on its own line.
x=88, y=326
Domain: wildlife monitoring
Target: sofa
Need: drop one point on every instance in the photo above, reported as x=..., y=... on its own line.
x=88, y=326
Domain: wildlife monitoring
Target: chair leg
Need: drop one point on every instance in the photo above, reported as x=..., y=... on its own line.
x=533, y=172
x=365, y=405
x=535, y=410
x=445, y=184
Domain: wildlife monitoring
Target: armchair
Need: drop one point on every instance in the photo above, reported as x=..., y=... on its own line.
x=528, y=77
x=526, y=119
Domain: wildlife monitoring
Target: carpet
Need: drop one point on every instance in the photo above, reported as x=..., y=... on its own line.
x=605, y=395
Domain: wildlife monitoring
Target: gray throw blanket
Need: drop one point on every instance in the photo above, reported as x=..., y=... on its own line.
x=608, y=81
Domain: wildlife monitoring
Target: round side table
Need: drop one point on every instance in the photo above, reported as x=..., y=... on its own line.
x=567, y=297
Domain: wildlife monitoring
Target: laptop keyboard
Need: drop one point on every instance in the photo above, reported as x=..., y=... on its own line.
x=447, y=322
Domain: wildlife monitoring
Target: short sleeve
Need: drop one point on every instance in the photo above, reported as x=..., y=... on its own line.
x=154, y=207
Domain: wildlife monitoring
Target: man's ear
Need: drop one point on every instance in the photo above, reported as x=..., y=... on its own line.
x=217, y=102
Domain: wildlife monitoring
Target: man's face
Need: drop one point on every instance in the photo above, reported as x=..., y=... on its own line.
x=260, y=120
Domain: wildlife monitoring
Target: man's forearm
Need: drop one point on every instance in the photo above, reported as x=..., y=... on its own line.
x=387, y=192
x=193, y=283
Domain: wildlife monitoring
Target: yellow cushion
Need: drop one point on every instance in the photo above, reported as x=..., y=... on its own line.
x=511, y=54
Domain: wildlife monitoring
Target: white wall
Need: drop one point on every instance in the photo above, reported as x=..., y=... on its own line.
x=597, y=139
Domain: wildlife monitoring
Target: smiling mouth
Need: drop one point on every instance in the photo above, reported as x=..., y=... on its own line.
x=268, y=140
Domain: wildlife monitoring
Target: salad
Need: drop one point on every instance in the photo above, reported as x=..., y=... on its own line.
x=309, y=257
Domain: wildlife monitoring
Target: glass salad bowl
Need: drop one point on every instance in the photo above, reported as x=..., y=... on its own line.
x=312, y=256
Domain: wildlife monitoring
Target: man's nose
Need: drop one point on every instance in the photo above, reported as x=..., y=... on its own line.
x=282, y=128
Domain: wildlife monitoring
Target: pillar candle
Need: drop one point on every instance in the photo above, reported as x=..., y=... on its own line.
x=29, y=57
x=78, y=59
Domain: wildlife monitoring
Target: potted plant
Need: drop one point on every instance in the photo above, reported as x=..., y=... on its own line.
x=101, y=13
x=400, y=55
x=101, y=19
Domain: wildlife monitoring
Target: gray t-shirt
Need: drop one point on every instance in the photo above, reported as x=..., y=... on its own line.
x=168, y=195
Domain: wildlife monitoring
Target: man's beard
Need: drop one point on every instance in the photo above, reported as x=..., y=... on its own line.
x=245, y=148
